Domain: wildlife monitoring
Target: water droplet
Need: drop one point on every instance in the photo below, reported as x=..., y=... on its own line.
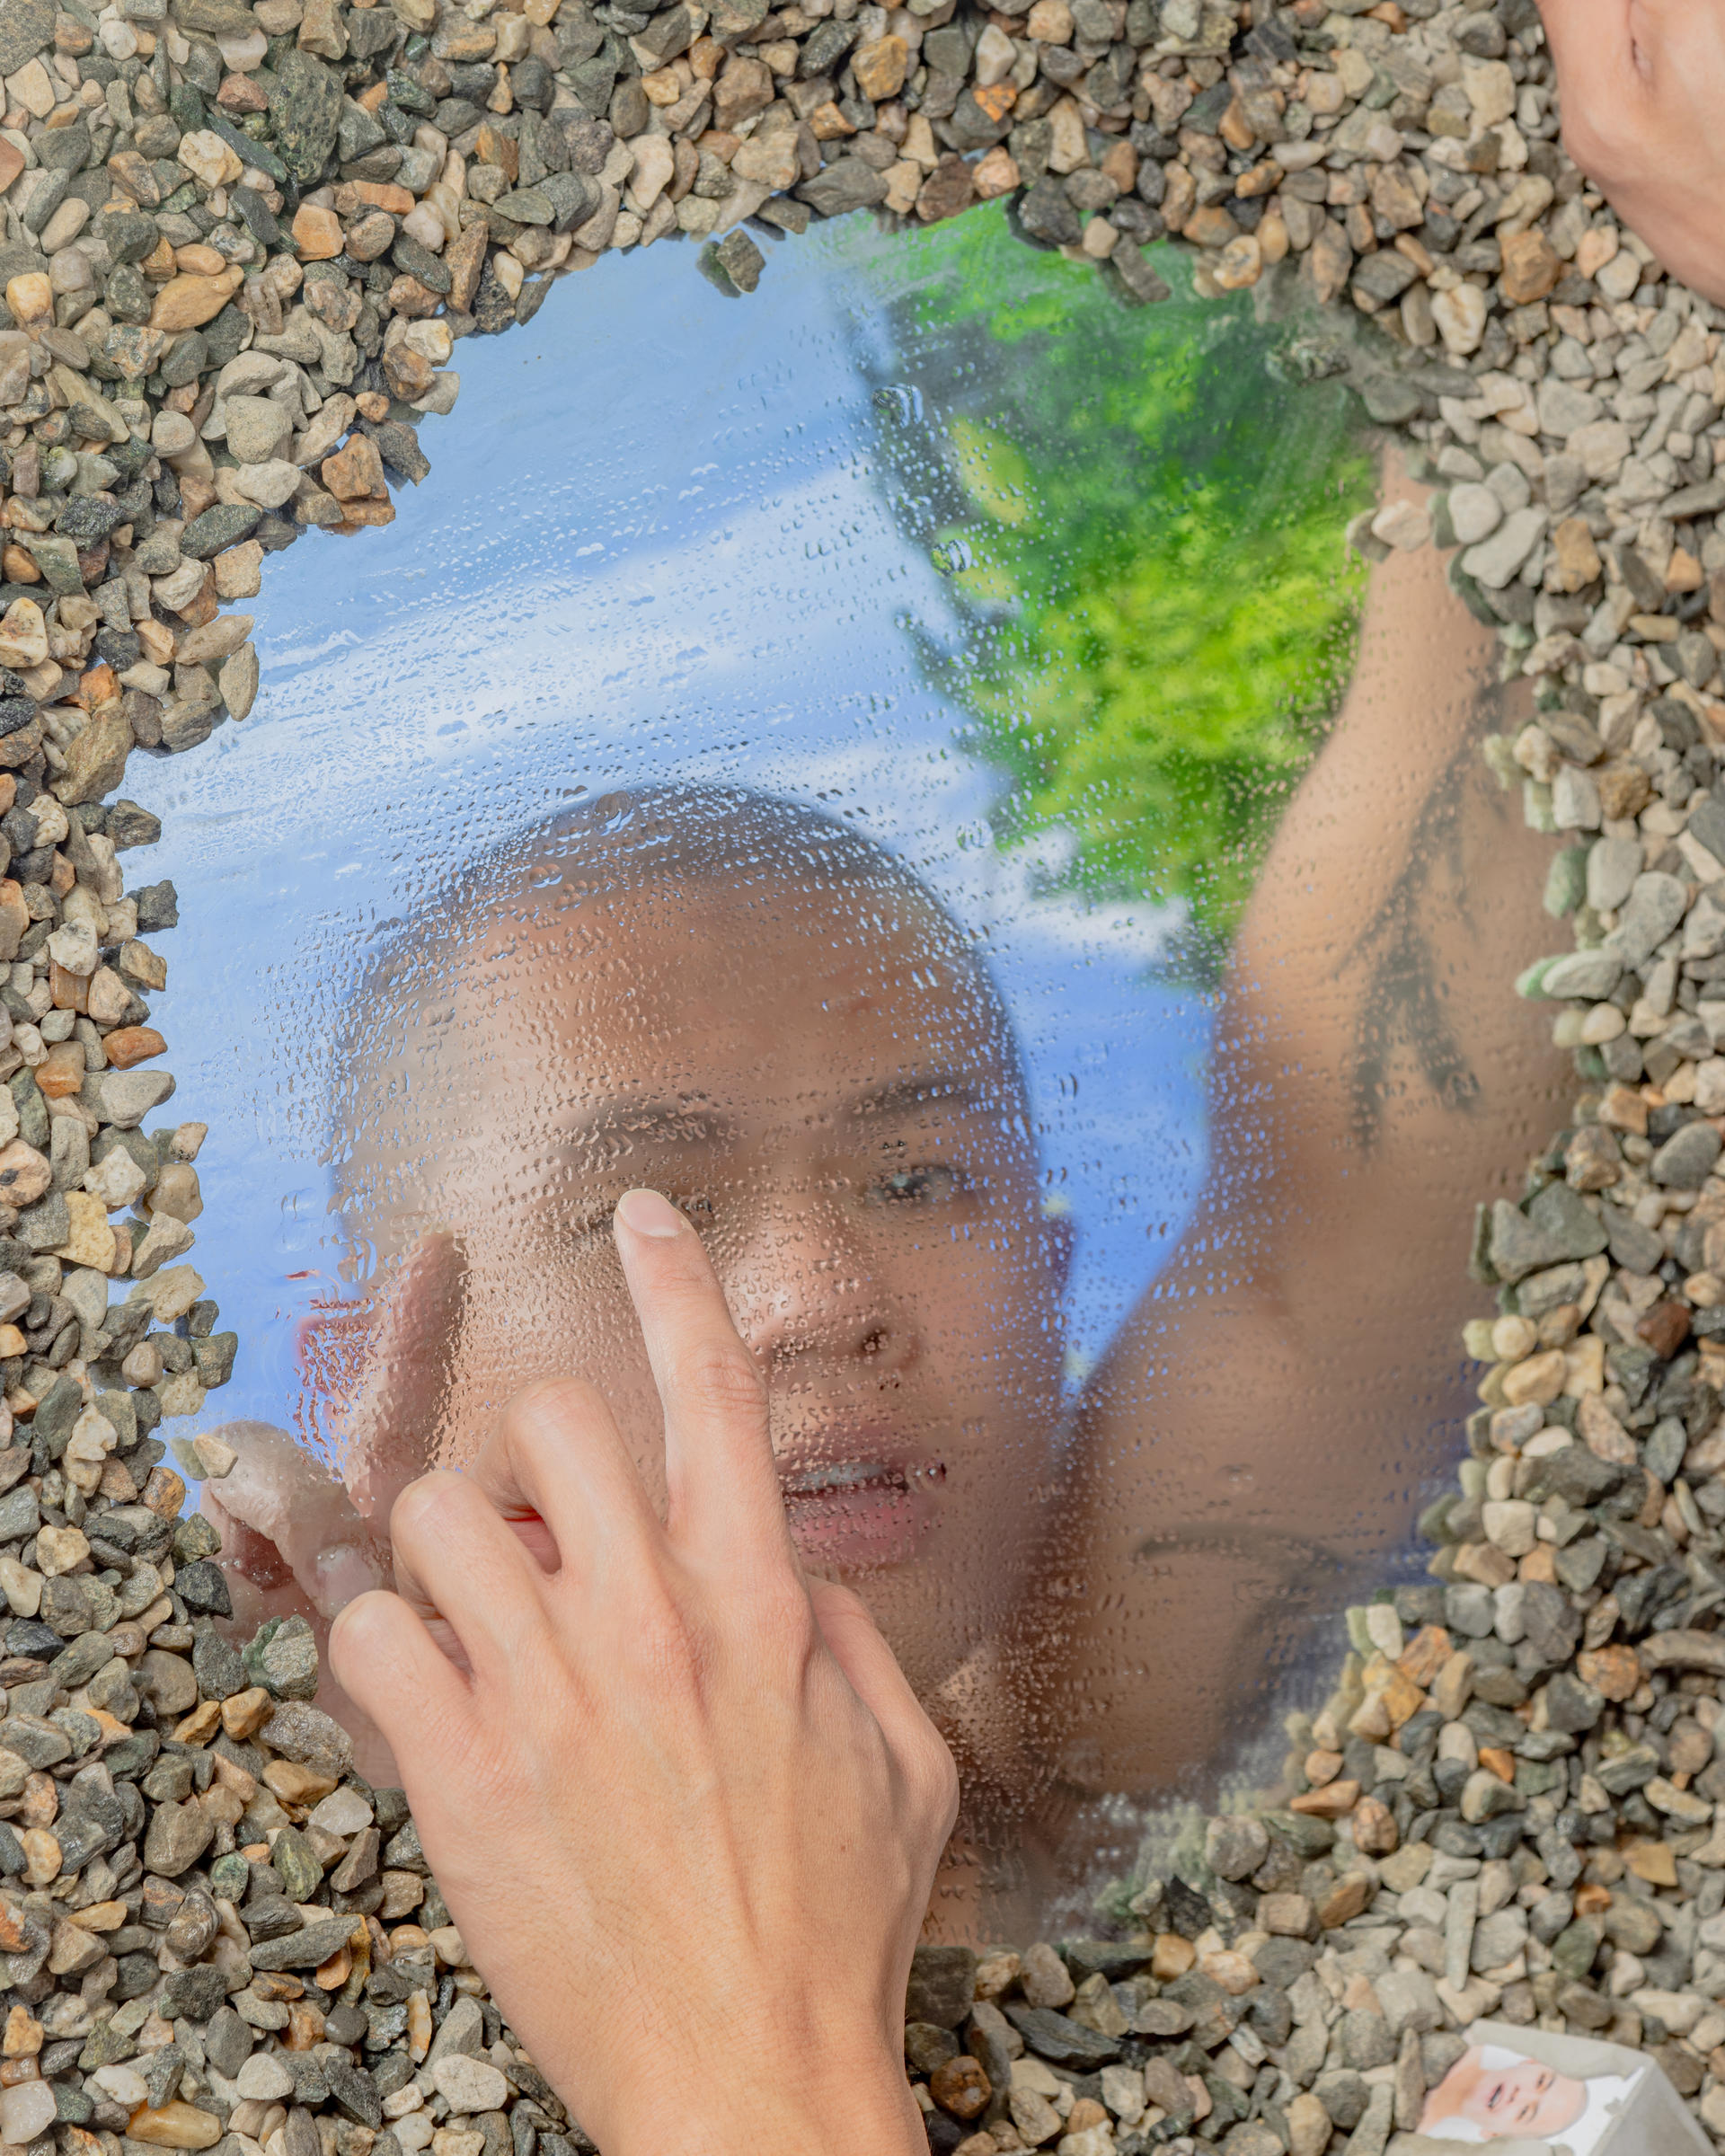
x=900, y=401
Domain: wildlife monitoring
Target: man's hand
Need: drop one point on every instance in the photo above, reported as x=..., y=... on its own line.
x=299, y=1541
x=683, y=1807
x=1641, y=84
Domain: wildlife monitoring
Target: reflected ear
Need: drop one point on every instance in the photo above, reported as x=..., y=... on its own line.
x=394, y=1426
x=1060, y=1238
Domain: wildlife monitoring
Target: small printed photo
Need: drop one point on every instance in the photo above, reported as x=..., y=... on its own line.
x=1493, y=2094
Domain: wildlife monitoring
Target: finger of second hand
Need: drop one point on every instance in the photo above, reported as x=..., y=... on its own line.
x=457, y=1561
x=557, y=1471
x=720, y=1472
x=287, y=1497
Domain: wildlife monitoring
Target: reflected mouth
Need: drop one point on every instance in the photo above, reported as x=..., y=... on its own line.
x=858, y=1512
x=843, y=1475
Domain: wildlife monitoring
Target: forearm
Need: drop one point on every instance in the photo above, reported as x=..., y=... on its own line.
x=1294, y=1372
x=828, y=2097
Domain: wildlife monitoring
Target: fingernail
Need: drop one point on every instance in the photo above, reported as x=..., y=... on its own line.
x=648, y=1213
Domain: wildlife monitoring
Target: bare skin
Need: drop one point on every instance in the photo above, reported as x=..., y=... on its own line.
x=1261, y=1427
x=1266, y=1418
x=563, y=1653
x=1641, y=82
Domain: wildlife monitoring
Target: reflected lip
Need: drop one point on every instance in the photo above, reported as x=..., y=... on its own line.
x=854, y=1501
x=843, y=1460
x=842, y=1475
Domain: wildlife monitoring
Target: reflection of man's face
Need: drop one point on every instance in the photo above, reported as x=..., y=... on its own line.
x=1522, y=2098
x=825, y=1089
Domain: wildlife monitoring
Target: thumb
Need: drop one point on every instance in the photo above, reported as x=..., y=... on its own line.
x=856, y=1643
x=284, y=1497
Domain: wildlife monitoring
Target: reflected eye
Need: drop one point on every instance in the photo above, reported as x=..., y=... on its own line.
x=698, y=1211
x=932, y=1186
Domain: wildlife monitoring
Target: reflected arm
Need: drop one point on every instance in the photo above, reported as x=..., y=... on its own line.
x=1258, y=1436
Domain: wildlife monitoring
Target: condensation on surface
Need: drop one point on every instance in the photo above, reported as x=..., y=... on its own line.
x=738, y=770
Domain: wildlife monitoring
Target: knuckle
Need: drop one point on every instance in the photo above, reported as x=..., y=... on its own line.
x=422, y=1504
x=661, y=1637
x=940, y=1778
x=548, y=1401
x=723, y=1376
x=781, y=1616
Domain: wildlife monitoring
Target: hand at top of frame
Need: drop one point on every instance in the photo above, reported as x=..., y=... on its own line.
x=1641, y=84
x=683, y=1807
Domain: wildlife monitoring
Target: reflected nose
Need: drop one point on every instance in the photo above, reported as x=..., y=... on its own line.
x=804, y=1293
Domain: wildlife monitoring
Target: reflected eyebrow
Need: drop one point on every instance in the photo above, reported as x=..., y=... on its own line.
x=638, y=1116
x=925, y=1088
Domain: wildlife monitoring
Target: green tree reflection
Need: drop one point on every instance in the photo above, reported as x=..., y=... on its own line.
x=1141, y=512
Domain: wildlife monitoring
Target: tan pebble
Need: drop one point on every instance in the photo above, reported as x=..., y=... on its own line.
x=24, y=2032
x=200, y=1724
x=1044, y=1977
x=1241, y=265
x=317, y=233
x=995, y=173
x=23, y=635
x=30, y=297
x=246, y=1712
x=1233, y=1971
x=207, y=157
x=1596, y=248
x=294, y=1784
x=176, y=2126
x=42, y=1855
x=1335, y=1801
x=187, y=302
x=881, y=66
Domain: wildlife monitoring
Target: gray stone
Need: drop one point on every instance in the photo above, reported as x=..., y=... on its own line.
x=20, y=1514
x=463, y=2029
x=26, y=26
x=302, y=1950
x=846, y=184
x=227, y=2042
x=282, y=1656
x=306, y=106
x=1590, y=974
x=302, y=1873
x=1365, y=2040
x=1684, y=1161
x=179, y=1835
x=943, y=1984
x=1654, y=907
x=1047, y=213
x=1558, y=1223
x=1495, y=561
x=1613, y=866
x=257, y=428
x=1234, y=1845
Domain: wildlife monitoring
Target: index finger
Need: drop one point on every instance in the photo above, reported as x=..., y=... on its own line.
x=723, y=1487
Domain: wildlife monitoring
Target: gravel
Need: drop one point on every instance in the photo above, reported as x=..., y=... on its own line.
x=241, y=243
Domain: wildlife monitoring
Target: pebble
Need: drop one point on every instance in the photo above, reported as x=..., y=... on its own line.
x=471, y=2085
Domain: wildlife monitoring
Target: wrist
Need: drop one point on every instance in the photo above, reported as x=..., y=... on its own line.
x=761, y=2100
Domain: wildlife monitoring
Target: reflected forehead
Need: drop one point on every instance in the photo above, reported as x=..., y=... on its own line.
x=676, y=980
